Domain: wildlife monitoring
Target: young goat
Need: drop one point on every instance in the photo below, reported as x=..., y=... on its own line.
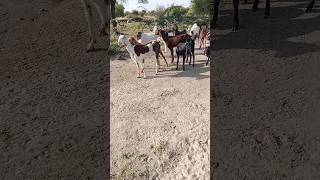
x=139, y=52
x=185, y=49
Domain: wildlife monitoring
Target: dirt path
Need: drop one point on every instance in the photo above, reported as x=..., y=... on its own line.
x=160, y=125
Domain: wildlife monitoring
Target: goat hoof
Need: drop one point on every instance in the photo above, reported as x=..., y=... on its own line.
x=308, y=9
x=90, y=49
x=235, y=28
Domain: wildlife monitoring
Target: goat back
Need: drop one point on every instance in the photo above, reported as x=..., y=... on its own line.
x=141, y=49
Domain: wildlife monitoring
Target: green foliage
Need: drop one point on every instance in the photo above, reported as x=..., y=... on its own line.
x=200, y=7
x=119, y=10
x=135, y=12
x=114, y=47
x=176, y=13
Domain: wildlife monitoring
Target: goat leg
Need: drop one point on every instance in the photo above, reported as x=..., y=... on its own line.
x=142, y=68
x=163, y=57
x=177, y=61
x=255, y=5
x=184, y=58
x=88, y=14
x=310, y=6
x=157, y=63
x=138, y=72
x=172, y=56
x=267, y=10
x=235, y=26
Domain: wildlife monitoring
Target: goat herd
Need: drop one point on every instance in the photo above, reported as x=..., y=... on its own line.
x=148, y=44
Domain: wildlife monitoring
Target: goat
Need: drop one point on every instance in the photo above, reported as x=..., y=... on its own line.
x=195, y=29
x=101, y=8
x=203, y=37
x=172, y=41
x=185, y=49
x=138, y=52
x=176, y=33
x=156, y=48
x=175, y=30
x=148, y=37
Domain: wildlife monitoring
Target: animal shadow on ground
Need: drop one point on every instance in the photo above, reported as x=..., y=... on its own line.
x=98, y=49
x=263, y=104
x=192, y=72
x=273, y=33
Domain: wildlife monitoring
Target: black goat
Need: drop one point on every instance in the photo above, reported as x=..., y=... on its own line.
x=185, y=49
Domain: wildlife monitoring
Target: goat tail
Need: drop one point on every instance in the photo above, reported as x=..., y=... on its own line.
x=163, y=57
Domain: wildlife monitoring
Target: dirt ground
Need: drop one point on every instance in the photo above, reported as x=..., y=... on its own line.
x=53, y=93
x=160, y=125
x=265, y=94
x=264, y=111
x=53, y=103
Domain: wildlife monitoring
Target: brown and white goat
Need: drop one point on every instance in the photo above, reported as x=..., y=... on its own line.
x=139, y=52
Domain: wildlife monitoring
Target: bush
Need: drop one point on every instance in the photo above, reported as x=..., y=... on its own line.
x=114, y=48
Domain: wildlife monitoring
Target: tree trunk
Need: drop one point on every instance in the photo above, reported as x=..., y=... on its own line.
x=113, y=15
x=113, y=6
x=108, y=6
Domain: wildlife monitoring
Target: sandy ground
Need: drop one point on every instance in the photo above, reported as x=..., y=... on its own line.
x=160, y=125
x=53, y=104
x=53, y=93
x=264, y=112
x=265, y=94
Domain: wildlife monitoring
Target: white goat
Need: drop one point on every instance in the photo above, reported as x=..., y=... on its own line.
x=195, y=29
x=148, y=37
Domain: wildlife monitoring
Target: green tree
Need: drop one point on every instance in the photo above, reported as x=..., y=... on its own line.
x=176, y=13
x=135, y=12
x=200, y=7
x=113, y=9
x=119, y=10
